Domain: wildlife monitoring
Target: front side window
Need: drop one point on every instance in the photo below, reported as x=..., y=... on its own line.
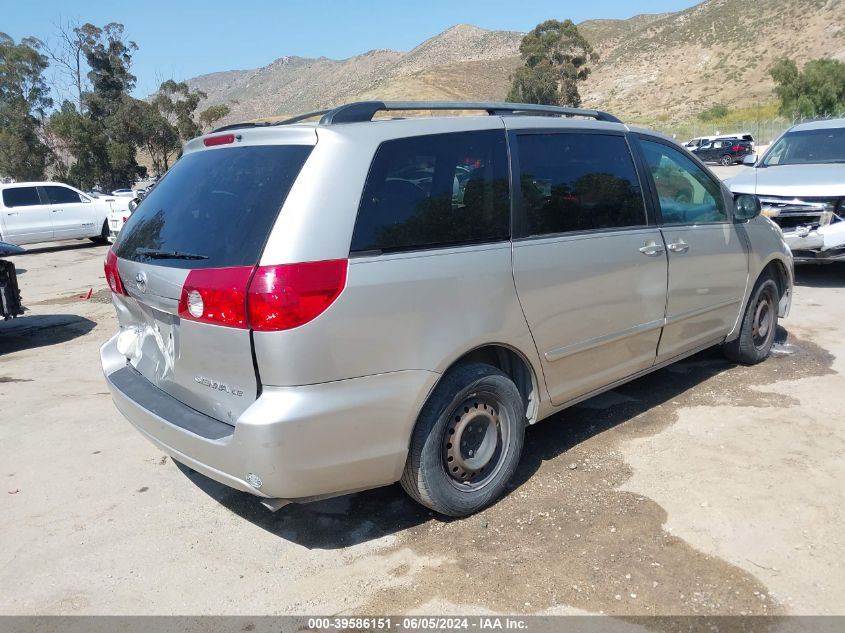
x=687, y=194
x=61, y=195
x=21, y=197
x=578, y=182
x=435, y=191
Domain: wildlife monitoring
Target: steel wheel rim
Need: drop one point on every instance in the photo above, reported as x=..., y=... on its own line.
x=762, y=324
x=475, y=442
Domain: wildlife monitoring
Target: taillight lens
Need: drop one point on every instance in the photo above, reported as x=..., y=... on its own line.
x=112, y=275
x=290, y=295
x=216, y=295
x=737, y=148
x=266, y=299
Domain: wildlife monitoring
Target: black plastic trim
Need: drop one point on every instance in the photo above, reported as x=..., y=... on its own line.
x=146, y=395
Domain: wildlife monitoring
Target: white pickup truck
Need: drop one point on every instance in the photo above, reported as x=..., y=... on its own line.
x=32, y=212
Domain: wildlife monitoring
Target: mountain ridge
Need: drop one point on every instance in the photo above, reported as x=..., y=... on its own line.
x=666, y=66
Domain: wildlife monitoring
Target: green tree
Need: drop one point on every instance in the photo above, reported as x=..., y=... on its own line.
x=556, y=57
x=103, y=139
x=212, y=114
x=817, y=90
x=158, y=136
x=24, y=99
x=177, y=103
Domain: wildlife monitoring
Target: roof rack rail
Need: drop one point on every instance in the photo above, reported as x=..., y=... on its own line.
x=365, y=110
x=361, y=111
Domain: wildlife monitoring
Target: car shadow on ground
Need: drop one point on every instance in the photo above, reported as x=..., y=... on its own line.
x=356, y=518
x=820, y=275
x=54, y=247
x=30, y=332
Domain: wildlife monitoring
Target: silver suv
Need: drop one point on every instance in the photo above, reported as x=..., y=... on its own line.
x=311, y=309
x=800, y=181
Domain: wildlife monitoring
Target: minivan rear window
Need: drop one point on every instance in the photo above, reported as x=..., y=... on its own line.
x=216, y=206
x=434, y=191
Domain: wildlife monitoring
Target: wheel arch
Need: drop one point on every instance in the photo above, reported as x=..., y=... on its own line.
x=778, y=269
x=513, y=363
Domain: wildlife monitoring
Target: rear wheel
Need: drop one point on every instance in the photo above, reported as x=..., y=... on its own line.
x=467, y=441
x=726, y=160
x=757, y=332
x=103, y=237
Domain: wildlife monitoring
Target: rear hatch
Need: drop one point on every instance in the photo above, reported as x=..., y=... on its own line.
x=209, y=217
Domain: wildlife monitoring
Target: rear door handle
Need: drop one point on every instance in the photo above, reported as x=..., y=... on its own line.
x=652, y=249
x=678, y=247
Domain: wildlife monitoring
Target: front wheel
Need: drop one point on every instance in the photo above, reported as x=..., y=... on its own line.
x=726, y=160
x=467, y=441
x=757, y=331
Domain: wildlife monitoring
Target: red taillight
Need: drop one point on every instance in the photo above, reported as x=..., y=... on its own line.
x=266, y=299
x=125, y=218
x=223, y=139
x=737, y=148
x=112, y=275
x=216, y=295
x=290, y=295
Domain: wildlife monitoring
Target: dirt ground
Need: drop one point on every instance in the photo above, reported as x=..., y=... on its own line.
x=704, y=488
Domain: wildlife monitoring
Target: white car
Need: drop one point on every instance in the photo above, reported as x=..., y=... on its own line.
x=33, y=212
x=117, y=218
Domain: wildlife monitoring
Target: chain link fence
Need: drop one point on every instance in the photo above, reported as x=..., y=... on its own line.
x=764, y=131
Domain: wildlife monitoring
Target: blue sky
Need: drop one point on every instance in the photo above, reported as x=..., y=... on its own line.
x=182, y=39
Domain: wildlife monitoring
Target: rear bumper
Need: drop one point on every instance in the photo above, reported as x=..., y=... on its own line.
x=302, y=442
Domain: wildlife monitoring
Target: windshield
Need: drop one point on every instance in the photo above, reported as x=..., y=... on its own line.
x=808, y=146
x=214, y=208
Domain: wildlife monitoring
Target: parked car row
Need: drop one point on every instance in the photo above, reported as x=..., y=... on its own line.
x=307, y=310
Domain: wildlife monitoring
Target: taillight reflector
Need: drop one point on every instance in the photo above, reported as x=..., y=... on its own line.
x=221, y=296
x=266, y=298
x=112, y=274
x=223, y=139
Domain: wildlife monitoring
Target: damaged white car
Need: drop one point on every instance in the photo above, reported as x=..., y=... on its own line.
x=800, y=181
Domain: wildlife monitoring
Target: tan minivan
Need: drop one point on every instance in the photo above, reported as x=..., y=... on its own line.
x=308, y=309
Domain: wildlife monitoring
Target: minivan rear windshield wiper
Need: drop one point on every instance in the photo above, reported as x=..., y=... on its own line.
x=151, y=253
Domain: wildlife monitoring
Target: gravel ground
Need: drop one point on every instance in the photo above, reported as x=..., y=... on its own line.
x=704, y=488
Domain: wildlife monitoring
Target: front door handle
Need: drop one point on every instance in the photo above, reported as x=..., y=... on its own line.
x=57, y=210
x=678, y=247
x=652, y=249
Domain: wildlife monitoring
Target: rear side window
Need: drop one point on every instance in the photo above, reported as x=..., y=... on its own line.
x=61, y=195
x=216, y=204
x=435, y=190
x=20, y=197
x=578, y=182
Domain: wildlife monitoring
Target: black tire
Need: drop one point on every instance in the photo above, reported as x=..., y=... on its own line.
x=759, y=323
x=103, y=237
x=481, y=405
x=726, y=160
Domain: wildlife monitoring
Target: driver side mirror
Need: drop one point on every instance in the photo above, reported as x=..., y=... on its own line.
x=747, y=207
x=133, y=204
x=749, y=160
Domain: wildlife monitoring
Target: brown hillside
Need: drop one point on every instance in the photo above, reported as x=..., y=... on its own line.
x=652, y=67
